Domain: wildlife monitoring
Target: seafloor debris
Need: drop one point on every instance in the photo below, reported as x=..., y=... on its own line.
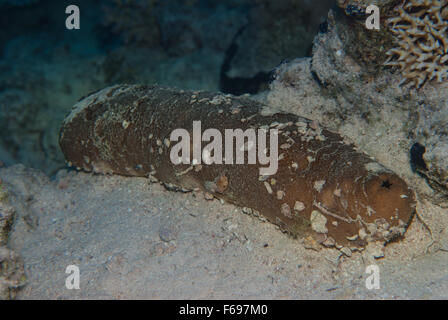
x=323, y=187
x=6, y=215
x=12, y=274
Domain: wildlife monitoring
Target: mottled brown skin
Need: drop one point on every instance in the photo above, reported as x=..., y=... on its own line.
x=109, y=132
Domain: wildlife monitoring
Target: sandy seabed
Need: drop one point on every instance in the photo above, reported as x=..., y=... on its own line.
x=132, y=239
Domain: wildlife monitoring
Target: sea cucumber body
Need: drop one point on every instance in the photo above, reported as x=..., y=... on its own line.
x=323, y=186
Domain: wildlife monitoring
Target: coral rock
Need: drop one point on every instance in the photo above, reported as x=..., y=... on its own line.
x=422, y=39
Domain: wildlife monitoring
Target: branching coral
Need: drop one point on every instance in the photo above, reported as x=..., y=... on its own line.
x=421, y=30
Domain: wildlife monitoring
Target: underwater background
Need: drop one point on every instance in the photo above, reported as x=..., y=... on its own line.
x=231, y=46
x=384, y=91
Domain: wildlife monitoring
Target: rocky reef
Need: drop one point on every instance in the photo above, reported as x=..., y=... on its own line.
x=348, y=86
x=276, y=31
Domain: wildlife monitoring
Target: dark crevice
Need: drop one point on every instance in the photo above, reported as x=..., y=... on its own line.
x=240, y=85
x=417, y=162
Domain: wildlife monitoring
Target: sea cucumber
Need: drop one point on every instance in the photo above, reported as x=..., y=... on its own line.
x=323, y=187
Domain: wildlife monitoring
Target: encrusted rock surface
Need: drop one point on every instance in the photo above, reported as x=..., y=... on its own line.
x=11, y=265
x=384, y=118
